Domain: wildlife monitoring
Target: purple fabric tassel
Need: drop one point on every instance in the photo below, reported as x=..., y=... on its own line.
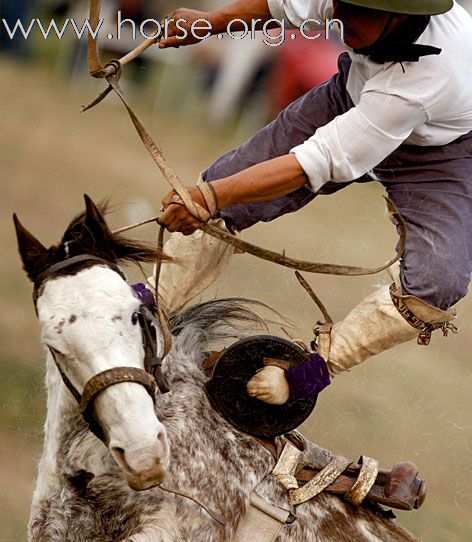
x=308, y=379
x=145, y=295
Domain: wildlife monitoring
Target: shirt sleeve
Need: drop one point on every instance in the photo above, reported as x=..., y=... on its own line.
x=295, y=12
x=353, y=143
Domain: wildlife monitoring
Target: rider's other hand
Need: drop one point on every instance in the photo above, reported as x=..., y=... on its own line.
x=177, y=28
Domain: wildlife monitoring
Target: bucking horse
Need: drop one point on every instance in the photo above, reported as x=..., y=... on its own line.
x=125, y=462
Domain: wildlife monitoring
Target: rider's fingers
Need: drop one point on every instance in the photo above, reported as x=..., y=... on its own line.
x=177, y=218
x=182, y=226
x=189, y=230
x=168, y=199
x=172, y=41
x=173, y=212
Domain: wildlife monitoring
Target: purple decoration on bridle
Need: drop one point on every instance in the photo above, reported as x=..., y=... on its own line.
x=308, y=379
x=145, y=295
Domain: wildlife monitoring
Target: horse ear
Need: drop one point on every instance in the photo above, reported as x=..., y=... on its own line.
x=94, y=220
x=33, y=253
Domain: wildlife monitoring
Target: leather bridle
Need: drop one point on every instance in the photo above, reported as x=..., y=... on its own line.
x=150, y=377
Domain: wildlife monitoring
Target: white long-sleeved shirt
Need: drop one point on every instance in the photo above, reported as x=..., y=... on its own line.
x=430, y=103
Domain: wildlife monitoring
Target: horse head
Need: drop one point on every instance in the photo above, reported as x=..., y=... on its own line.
x=90, y=320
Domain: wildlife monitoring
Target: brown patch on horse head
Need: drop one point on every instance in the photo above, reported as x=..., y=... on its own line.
x=117, y=317
x=72, y=318
x=59, y=326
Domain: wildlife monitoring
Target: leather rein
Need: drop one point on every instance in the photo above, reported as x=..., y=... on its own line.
x=150, y=378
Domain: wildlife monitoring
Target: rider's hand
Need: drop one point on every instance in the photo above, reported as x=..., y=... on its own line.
x=180, y=32
x=176, y=217
x=269, y=385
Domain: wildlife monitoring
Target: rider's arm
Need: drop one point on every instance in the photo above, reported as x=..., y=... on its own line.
x=261, y=182
x=246, y=10
x=354, y=143
x=265, y=181
x=343, y=150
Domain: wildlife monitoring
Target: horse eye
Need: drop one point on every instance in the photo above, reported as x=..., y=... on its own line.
x=134, y=318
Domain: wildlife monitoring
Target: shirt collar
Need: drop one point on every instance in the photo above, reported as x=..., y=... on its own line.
x=400, y=45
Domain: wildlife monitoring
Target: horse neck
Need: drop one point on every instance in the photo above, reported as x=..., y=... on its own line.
x=62, y=415
x=207, y=453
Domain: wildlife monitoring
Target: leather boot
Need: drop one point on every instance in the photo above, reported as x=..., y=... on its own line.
x=381, y=321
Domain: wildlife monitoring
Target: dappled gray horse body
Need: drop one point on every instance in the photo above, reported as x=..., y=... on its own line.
x=86, y=486
x=209, y=460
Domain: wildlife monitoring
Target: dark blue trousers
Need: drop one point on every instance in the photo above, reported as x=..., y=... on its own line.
x=431, y=187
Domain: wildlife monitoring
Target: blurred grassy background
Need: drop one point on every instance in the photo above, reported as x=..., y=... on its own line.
x=412, y=403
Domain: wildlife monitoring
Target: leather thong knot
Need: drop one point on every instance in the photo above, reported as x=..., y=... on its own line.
x=116, y=66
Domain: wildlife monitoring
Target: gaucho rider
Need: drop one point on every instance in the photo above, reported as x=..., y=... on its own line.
x=400, y=110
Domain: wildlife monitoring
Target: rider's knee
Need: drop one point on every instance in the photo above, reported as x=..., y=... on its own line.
x=437, y=280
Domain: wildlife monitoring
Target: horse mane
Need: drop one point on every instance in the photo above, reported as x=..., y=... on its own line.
x=82, y=237
x=218, y=320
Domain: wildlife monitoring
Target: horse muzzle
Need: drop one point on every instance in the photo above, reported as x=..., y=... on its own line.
x=142, y=468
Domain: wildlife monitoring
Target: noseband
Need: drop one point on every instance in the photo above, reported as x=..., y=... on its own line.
x=150, y=378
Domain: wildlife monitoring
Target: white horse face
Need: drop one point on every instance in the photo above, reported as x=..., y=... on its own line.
x=89, y=321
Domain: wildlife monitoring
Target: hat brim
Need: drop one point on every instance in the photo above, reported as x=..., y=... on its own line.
x=406, y=7
x=227, y=388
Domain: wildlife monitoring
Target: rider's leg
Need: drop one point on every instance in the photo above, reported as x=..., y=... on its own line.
x=435, y=273
x=435, y=269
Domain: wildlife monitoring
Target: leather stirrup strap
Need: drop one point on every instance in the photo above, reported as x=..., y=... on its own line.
x=324, y=341
x=320, y=482
x=365, y=481
x=262, y=521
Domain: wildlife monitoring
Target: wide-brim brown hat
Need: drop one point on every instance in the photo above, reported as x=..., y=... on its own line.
x=407, y=7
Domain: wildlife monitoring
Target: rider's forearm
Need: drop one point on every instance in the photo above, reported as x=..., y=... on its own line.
x=246, y=10
x=262, y=182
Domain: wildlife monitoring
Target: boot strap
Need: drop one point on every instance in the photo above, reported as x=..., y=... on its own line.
x=324, y=341
x=425, y=328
